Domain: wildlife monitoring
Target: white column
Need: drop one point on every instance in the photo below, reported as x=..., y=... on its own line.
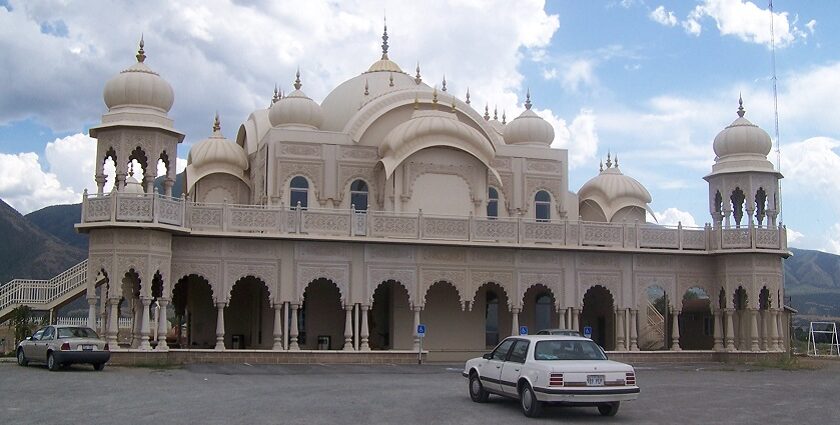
x=753, y=329
x=293, y=332
x=780, y=326
x=675, y=332
x=619, y=330
x=774, y=332
x=136, y=323
x=514, y=321
x=144, y=324
x=576, y=319
x=356, y=325
x=348, y=328
x=634, y=326
x=113, y=324
x=286, y=325
x=163, y=326
x=91, y=321
x=220, y=326
x=561, y=317
x=416, y=346
x=716, y=332
x=365, y=332
x=730, y=330
x=278, y=327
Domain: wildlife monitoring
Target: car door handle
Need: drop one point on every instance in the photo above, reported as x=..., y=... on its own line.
x=498, y=367
x=516, y=370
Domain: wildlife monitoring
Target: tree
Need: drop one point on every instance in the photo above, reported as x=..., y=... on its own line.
x=21, y=322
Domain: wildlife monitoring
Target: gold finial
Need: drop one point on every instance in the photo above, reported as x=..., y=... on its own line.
x=141, y=54
x=468, y=96
x=298, y=85
x=504, y=118
x=417, y=78
x=391, y=79
x=496, y=113
x=741, y=110
x=385, y=39
x=367, y=92
x=217, y=126
x=528, y=99
x=444, y=83
x=486, y=112
x=453, y=104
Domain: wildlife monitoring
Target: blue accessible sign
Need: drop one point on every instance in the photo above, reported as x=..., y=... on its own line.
x=523, y=330
x=587, y=331
x=421, y=330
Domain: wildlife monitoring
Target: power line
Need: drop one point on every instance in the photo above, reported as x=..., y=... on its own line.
x=776, y=112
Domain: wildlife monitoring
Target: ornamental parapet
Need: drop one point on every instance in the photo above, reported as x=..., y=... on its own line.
x=183, y=216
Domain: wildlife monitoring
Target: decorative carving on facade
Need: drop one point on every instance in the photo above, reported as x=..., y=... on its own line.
x=407, y=277
x=544, y=166
x=417, y=169
x=654, y=261
x=457, y=278
x=325, y=222
x=538, y=257
x=359, y=153
x=323, y=250
x=599, y=260
x=544, y=232
x=98, y=209
x=393, y=226
x=492, y=256
x=666, y=281
x=496, y=230
x=552, y=281
x=197, y=247
x=289, y=169
x=207, y=270
x=687, y=281
x=609, y=280
x=244, y=248
x=447, y=228
x=534, y=184
x=267, y=273
x=501, y=163
x=337, y=274
x=441, y=254
x=658, y=237
x=206, y=217
x=254, y=219
x=289, y=149
x=504, y=279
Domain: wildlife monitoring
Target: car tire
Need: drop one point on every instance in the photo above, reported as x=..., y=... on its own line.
x=477, y=392
x=609, y=409
x=531, y=407
x=21, y=358
x=52, y=364
x=98, y=366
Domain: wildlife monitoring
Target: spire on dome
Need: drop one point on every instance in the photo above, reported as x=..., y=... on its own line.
x=367, y=91
x=141, y=54
x=486, y=112
x=434, y=96
x=496, y=113
x=416, y=102
x=609, y=161
x=741, y=110
x=468, y=96
x=385, y=39
x=453, y=104
x=276, y=96
x=444, y=83
x=390, y=80
x=417, y=78
x=616, y=160
x=528, y=99
x=217, y=126
x=504, y=118
x=298, y=85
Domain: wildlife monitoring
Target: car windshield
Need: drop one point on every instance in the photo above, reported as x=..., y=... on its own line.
x=568, y=350
x=76, y=333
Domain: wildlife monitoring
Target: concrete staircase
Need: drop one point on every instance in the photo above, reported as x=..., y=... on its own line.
x=652, y=332
x=43, y=295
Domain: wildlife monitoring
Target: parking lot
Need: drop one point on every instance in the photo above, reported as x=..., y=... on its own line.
x=407, y=394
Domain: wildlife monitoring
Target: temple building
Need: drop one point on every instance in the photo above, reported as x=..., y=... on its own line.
x=342, y=225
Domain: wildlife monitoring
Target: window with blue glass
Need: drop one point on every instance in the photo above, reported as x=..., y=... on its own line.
x=492, y=202
x=542, y=204
x=359, y=195
x=299, y=192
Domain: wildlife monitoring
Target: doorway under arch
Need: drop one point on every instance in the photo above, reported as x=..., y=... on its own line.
x=599, y=313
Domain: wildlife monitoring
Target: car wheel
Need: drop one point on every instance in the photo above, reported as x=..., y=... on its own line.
x=531, y=407
x=52, y=364
x=98, y=366
x=609, y=409
x=21, y=358
x=477, y=392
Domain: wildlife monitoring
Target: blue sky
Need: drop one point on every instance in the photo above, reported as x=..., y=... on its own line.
x=654, y=81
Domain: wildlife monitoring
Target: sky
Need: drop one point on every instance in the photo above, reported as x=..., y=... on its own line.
x=652, y=81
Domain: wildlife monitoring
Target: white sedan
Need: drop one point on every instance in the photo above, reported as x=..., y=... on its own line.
x=539, y=369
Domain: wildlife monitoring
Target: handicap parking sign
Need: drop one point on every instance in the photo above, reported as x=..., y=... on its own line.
x=523, y=330
x=421, y=330
x=587, y=331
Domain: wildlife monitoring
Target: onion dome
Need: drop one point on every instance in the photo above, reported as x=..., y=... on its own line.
x=139, y=86
x=612, y=191
x=385, y=64
x=529, y=128
x=742, y=138
x=215, y=154
x=296, y=110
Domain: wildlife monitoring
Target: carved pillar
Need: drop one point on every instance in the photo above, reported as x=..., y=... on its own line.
x=91, y=321
x=365, y=332
x=576, y=319
x=416, y=346
x=675, y=332
x=514, y=321
x=619, y=330
x=727, y=214
x=113, y=324
x=220, y=326
x=780, y=325
x=774, y=331
x=136, y=323
x=716, y=331
x=278, y=327
x=763, y=330
x=634, y=325
x=348, y=327
x=100, y=183
x=561, y=318
x=730, y=330
x=163, y=325
x=144, y=324
x=293, y=332
x=167, y=186
x=753, y=313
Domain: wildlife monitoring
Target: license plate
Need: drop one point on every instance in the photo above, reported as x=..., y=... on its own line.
x=595, y=380
x=88, y=347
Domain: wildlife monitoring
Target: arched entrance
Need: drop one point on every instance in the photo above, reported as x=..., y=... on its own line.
x=195, y=314
x=446, y=324
x=538, y=311
x=652, y=320
x=491, y=315
x=249, y=318
x=696, y=320
x=321, y=318
x=391, y=320
x=740, y=302
x=764, y=304
x=131, y=308
x=599, y=313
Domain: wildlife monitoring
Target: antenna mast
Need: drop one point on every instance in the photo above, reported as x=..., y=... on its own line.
x=776, y=110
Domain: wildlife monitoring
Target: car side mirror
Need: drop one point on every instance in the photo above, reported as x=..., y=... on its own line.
x=29, y=338
x=488, y=356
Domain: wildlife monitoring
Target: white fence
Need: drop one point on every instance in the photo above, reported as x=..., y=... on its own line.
x=125, y=322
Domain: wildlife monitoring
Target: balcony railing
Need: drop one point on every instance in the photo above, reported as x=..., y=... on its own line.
x=339, y=223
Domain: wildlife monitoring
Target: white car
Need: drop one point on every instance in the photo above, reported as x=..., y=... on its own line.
x=557, y=369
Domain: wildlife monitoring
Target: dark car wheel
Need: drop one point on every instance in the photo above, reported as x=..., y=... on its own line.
x=531, y=407
x=52, y=364
x=21, y=358
x=609, y=409
x=477, y=392
x=98, y=366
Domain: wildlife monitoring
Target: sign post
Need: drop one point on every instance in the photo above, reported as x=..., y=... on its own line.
x=421, y=333
x=587, y=331
x=523, y=330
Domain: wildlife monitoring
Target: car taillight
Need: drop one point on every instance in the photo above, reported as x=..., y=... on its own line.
x=555, y=380
x=65, y=346
x=630, y=378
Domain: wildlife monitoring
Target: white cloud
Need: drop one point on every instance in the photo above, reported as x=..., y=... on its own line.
x=692, y=26
x=673, y=217
x=812, y=165
x=579, y=73
x=811, y=25
x=793, y=236
x=663, y=17
x=26, y=187
x=833, y=239
x=580, y=138
x=72, y=160
x=744, y=20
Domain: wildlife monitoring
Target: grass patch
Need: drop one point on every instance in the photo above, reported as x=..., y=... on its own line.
x=786, y=363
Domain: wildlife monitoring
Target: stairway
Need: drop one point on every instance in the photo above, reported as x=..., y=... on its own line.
x=43, y=295
x=652, y=334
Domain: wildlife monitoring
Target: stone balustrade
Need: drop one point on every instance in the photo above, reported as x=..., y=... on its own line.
x=277, y=221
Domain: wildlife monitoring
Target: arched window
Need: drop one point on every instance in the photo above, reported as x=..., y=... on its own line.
x=542, y=206
x=491, y=320
x=492, y=202
x=542, y=312
x=359, y=195
x=299, y=192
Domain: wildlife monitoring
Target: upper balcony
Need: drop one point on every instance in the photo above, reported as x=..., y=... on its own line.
x=182, y=216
